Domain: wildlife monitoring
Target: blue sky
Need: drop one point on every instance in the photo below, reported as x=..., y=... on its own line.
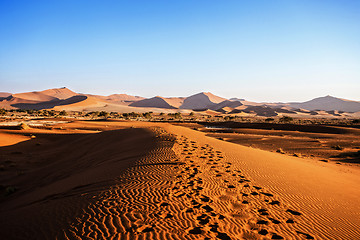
x=259, y=50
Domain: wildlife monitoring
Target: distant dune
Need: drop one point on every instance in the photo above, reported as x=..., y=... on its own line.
x=123, y=97
x=50, y=104
x=33, y=96
x=59, y=93
x=329, y=103
x=204, y=102
x=159, y=102
x=4, y=94
x=226, y=104
x=201, y=101
x=37, y=99
x=80, y=103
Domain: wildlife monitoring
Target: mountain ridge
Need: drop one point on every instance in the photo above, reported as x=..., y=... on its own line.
x=58, y=98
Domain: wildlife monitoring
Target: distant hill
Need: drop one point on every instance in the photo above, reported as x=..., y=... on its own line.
x=117, y=98
x=31, y=96
x=226, y=104
x=237, y=99
x=50, y=104
x=159, y=102
x=123, y=97
x=328, y=103
x=201, y=100
x=198, y=101
x=205, y=102
x=37, y=98
x=61, y=98
x=4, y=94
x=59, y=93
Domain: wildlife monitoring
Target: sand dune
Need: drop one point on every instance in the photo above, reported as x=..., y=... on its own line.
x=49, y=104
x=123, y=97
x=32, y=96
x=329, y=103
x=226, y=104
x=159, y=102
x=59, y=179
x=324, y=107
x=37, y=100
x=81, y=105
x=59, y=93
x=201, y=101
x=7, y=139
x=158, y=181
x=96, y=104
x=4, y=94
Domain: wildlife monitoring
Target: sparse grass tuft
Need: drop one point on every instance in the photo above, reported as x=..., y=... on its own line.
x=10, y=190
x=337, y=147
x=280, y=150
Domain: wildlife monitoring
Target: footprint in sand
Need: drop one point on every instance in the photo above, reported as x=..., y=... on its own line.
x=164, y=204
x=194, y=230
x=293, y=212
x=203, y=219
x=274, y=203
x=263, y=232
x=274, y=221
x=290, y=221
x=262, y=222
x=307, y=236
x=263, y=212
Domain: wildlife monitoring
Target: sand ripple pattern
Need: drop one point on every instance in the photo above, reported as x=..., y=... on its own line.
x=182, y=190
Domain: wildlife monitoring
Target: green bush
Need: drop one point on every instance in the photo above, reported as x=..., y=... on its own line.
x=356, y=121
x=103, y=114
x=10, y=190
x=2, y=111
x=63, y=113
x=286, y=119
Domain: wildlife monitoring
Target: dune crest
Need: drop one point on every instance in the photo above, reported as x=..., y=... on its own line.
x=202, y=100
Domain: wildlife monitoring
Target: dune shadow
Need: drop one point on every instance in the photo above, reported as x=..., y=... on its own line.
x=285, y=127
x=49, y=104
x=348, y=157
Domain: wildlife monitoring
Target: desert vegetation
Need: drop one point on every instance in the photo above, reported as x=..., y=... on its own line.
x=6, y=115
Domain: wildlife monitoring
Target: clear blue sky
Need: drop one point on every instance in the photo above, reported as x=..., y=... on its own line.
x=259, y=50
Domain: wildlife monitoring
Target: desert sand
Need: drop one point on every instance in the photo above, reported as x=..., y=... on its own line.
x=206, y=103
x=141, y=180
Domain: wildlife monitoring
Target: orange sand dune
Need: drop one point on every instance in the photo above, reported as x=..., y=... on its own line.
x=7, y=139
x=201, y=101
x=97, y=104
x=159, y=102
x=4, y=94
x=33, y=96
x=139, y=180
x=85, y=103
x=60, y=93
